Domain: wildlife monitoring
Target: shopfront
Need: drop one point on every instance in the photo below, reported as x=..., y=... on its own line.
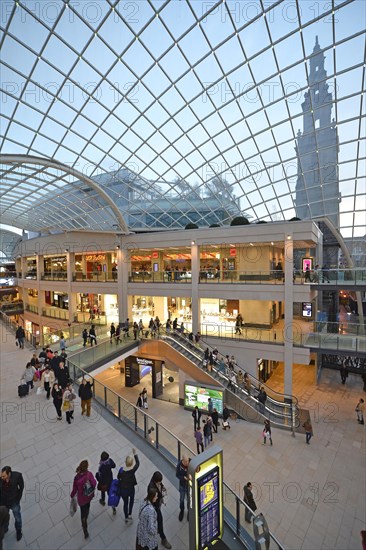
x=57, y=299
x=31, y=268
x=55, y=265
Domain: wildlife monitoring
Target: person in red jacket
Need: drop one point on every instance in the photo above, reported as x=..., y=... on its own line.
x=84, y=488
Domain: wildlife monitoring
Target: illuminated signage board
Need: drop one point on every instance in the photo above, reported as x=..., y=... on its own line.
x=95, y=257
x=198, y=396
x=206, y=499
x=307, y=309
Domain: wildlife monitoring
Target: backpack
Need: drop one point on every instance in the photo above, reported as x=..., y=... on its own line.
x=88, y=489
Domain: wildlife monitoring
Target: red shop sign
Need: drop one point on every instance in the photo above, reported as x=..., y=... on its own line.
x=232, y=251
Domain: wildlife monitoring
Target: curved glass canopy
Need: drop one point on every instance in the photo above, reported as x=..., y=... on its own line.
x=183, y=111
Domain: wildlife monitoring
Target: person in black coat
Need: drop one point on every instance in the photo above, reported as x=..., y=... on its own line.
x=344, y=372
x=262, y=398
x=11, y=492
x=249, y=500
x=215, y=419
x=86, y=394
x=196, y=414
x=156, y=482
x=62, y=374
x=104, y=476
x=57, y=400
x=127, y=484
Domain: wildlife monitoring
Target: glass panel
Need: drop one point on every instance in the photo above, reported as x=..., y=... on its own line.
x=112, y=401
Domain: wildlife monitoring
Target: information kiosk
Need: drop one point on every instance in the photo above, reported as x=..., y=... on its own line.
x=206, y=499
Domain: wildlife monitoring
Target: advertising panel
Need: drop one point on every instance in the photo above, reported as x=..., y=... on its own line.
x=199, y=395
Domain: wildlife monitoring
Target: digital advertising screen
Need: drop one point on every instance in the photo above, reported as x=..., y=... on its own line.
x=307, y=309
x=209, y=508
x=198, y=396
x=307, y=263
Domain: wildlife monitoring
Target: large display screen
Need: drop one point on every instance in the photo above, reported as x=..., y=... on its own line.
x=307, y=309
x=198, y=396
x=209, y=507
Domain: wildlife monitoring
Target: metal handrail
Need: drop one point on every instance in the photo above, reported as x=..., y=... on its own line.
x=287, y=410
x=78, y=372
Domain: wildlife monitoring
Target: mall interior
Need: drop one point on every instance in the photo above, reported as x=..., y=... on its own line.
x=191, y=175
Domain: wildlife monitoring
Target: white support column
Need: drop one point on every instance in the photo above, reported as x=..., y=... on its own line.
x=289, y=299
x=123, y=267
x=195, y=267
x=70, y=266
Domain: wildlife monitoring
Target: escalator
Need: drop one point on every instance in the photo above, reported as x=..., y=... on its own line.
x=281, y=409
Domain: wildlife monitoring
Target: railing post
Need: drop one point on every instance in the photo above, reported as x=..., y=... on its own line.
x=157, y=435
x=145, y=426
x=105, y=396
x=237, y=516
x=293, y=418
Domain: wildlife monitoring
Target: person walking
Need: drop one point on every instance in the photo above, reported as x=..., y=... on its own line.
x=207, y=432
x=267, y=432
x=62, y=374
x=344, y=372
x=249, y=501
x=28, y=375
x=307, y=275
x=140, y=402
x=11, y=492
x=196, y=414
x=112, y=332
x=92, y=335
x=147, y=527
x=84, y=489
x=57, y=399
x=181, y=473
x=47, y=380
x=308, y=431
x=225, y=417
x=104, y=477
x=215, y=419
x=85, y=336
x=62, y=343
x=199, y=439
x=156, y=482
x=144, y=398
x=20, y=337
x=127, y=483
x=238, y=326
x=360, y=410
x=209, y=405
x=68, y=403
x=363, y=378
x=86, y=394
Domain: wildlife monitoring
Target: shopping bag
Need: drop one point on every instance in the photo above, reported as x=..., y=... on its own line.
x=73, y=506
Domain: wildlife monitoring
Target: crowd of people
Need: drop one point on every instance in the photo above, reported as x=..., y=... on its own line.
x=50, y=373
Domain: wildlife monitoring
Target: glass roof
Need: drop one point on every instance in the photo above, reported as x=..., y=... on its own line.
x=180, y=111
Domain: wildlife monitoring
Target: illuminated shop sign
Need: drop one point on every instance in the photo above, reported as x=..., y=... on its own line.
x=95, y=258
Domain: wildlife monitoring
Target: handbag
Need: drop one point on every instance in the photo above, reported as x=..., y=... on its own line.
x=102, y=487
x=73, y=506
x=65, y=406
